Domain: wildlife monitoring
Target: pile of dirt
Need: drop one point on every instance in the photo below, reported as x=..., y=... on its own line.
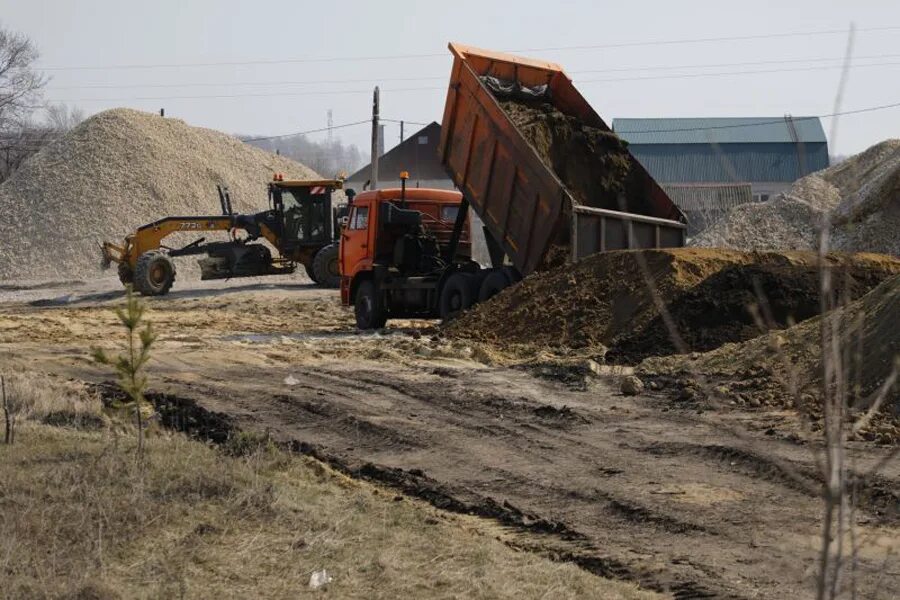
x=761, y=371
x=602, y=305
x=592, y=163
x=860, y=196
x=115, y=171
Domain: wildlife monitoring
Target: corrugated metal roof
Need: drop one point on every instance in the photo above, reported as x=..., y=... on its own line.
x=730, y=163
x=716, y=130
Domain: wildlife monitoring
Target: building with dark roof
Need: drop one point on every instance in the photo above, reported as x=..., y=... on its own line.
x=417, y=155
x=711, y=164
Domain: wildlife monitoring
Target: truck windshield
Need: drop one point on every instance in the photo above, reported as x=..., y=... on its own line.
x=448, y=213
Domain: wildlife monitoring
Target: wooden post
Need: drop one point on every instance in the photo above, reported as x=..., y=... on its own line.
x=6, y=417
x=375, y=115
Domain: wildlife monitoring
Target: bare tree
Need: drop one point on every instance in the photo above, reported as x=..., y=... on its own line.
x=62, y=118
x=20, y=83
x=20, y=96
x=328, y=158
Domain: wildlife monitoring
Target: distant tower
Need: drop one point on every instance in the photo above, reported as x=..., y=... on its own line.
x=330, y=125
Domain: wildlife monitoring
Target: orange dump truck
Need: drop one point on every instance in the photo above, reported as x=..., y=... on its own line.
x=548, y=178
x=524, y=203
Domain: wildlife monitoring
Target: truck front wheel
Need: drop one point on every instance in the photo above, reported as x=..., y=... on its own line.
x=369, y=307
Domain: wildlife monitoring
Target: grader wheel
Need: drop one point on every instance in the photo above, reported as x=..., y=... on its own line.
x=326, y=266
x=154, y=273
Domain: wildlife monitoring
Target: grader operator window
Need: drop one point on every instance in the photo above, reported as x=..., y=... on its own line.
x=306, y=215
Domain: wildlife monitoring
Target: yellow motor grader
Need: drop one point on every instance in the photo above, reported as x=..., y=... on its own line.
x=302, y=224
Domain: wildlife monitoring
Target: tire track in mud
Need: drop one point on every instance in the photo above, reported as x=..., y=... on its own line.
x=878, y=496
x=621, y=527
x=554, y=538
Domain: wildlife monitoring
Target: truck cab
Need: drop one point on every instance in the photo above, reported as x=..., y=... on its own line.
x=399, y=248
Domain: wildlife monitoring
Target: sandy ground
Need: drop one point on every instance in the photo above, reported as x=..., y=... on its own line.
x=701, y=503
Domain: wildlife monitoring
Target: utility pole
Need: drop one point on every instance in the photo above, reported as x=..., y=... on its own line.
x=401, y=132
x=375, y=137
x=330, y=126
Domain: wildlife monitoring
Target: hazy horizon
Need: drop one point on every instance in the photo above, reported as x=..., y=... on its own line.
x=308, y=58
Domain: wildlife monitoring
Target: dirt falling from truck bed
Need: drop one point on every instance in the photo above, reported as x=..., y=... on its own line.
x=591, y=162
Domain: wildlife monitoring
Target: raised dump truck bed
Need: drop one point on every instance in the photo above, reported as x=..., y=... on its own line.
x=524, y=203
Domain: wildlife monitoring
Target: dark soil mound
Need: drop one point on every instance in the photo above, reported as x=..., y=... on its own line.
x=729, y=305
x=763, y=371
x=604, y=301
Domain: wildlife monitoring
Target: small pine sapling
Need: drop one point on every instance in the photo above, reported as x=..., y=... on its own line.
x=129, y=365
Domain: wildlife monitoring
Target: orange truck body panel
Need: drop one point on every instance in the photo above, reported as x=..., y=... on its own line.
x=521, y=201
x=358, y=245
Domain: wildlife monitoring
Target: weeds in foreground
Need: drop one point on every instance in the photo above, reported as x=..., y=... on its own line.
x=130, y=365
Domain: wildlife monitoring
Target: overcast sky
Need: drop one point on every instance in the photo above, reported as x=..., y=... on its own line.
x=91, y=47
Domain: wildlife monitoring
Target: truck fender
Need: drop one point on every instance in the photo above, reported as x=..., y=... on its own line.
x=356, y=281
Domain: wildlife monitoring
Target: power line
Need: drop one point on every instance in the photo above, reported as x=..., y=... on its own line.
x=369, y=121
x=243, y=83
x=433, y=88
x=392, y=79
x=284, y=135
x=405, y=121
x=715, y=127
x=249, y=95
x=684, y=129
x=735, y=64
x=764, y=36
x=772, y=122
x=731, y=73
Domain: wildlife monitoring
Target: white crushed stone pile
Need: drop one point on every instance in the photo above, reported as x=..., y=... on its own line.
x=117, y=170
x=860, y=195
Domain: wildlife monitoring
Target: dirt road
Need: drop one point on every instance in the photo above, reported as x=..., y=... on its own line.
x=704, y=503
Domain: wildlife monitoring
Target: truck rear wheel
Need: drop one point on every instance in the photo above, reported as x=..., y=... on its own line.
x=326, y=266
x=513, y=274
x=154, y=273
x=456, y=296
x=493, y=284
x=369, y=307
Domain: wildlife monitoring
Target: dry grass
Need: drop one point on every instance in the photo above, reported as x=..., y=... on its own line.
x=80, y=519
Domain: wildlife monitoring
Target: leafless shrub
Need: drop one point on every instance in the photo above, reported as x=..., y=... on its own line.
x=19, y=396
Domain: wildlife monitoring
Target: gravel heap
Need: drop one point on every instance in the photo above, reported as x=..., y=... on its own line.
x=115, y=171
x=861, y=195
